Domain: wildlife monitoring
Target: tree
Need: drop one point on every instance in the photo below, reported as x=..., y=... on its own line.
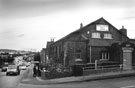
x=37, y=57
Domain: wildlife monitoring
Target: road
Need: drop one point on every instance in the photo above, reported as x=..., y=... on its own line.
x=14, y=82
x=10, y=81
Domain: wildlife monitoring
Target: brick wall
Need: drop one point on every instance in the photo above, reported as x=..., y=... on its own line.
x=96, y=53
x=72, y=50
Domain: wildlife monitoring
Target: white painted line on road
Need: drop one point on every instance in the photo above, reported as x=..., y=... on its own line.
x=133, y=86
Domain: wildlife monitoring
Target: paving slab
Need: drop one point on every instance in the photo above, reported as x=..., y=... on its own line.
x=102, y=76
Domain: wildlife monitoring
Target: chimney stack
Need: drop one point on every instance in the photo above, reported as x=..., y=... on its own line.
x=81, y=25
x=52, y=39
x=123, y=30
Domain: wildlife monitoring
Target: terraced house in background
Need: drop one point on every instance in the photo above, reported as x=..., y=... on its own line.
x=97, y=41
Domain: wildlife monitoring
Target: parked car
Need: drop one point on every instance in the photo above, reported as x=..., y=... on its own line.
x=13, y=69
x=22, y=67
x=4, y=68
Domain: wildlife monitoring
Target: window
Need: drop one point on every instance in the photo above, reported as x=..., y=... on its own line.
x=101, y=27
x=88, y=32
x=96, y=35
x=107, y=36
x=105, y=55
x=78, y=53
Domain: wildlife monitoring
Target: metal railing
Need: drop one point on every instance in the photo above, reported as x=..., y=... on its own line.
x=101, y=67
x=104, y=69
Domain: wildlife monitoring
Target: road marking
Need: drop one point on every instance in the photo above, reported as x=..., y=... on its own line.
x=133, y=86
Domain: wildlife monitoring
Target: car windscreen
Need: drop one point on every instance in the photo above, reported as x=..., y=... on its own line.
x=12, y=67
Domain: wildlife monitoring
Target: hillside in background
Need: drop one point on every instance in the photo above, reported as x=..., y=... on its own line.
x=11, y=51
x=8, y=50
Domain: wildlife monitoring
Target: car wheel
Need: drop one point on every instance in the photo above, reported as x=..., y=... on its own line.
x=7, y=74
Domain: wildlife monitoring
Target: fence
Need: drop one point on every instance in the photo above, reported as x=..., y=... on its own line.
x=104, y=69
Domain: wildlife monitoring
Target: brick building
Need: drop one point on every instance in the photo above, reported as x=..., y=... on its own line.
x=98, y=40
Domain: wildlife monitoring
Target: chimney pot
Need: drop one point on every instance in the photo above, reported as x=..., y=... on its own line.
x=81, y=25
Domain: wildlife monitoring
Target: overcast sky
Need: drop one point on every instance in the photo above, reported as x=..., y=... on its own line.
x=29, y=24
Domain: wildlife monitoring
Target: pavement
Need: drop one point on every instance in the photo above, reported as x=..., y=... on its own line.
x=73, y=79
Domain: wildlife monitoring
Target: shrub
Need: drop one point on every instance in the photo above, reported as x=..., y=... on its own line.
x=57, y=71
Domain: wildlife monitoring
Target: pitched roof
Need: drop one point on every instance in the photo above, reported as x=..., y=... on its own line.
x=102, y=42
x=132, y=41
x=100, y=20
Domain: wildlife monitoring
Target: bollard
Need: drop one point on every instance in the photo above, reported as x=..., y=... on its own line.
x=121, y=68
x=96, y=64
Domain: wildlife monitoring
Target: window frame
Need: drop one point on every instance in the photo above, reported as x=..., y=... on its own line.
x=96, y=35
x=102, y=27
x=78, y=53
x=107, y=36
x=105, y=55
